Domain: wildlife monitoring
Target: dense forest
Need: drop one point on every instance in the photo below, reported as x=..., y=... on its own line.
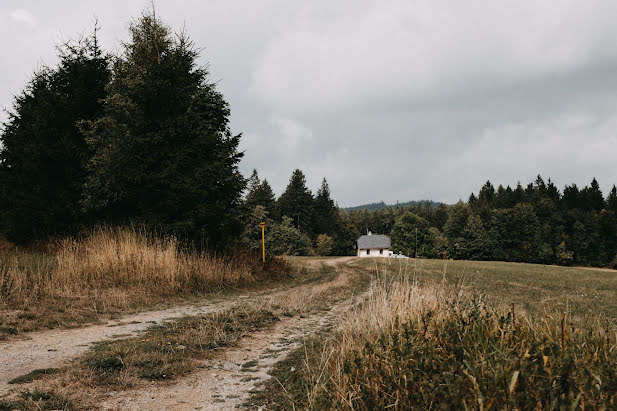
x=537, y=223
x=143, y=138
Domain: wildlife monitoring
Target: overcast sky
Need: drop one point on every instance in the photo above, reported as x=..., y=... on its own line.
x=396, y=100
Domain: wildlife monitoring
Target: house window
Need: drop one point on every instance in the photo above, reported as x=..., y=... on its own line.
x=381, y=251
x=368, y=252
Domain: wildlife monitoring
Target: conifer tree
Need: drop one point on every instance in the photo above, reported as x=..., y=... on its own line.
x=325, y=211
x=260, y=193
x=43, y=155
x=163, y=151
x=296, y=202
x=611, y=200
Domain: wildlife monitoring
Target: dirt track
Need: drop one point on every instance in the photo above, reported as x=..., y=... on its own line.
x=222, y=383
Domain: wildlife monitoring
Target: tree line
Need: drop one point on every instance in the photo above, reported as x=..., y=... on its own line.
x=297, y=222
x=537, y=223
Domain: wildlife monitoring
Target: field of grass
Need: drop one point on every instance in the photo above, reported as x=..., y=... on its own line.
x=462, y=335
x=533, y=288
x=112, y=272
x=426, y=334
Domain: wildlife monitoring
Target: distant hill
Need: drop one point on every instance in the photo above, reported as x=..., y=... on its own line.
x=381, y=205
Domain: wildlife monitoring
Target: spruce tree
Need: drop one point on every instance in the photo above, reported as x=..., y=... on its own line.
x=296, y=202
x=44, y=154
x=164, y=155
x=260, y=193
x=325, y=211
x=611, y=200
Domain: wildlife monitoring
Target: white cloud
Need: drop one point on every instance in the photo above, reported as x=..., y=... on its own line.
x=23, y=16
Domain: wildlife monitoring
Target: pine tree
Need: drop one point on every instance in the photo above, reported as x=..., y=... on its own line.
x=163, y=152
x=611, y=200
x=260, y=193
x=297, y=202
x=43, y=156
x=325, y=212
x=593, y=197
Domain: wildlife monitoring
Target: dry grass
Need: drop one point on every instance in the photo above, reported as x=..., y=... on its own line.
x=419, y=347
x=113, y=270
x=428, y=338
x=177, y=347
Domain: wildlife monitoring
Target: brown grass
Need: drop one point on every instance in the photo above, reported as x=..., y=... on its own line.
x=112, y=270
x=176, y=348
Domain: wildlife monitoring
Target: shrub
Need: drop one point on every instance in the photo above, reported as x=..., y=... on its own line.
x=324, y=244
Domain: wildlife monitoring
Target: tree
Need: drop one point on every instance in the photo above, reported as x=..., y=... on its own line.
x=325, y=213
x=285, y=239
x=43, y=153
x=250, y=237
x=324, y=244
x=296, y=202
x=611, y=200
x=592, y=197
x=163, y=152
x=515, y=233
x=458, y=215
x=260, y=193
x=412, y=236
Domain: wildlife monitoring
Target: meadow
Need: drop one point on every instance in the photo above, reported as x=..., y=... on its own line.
x=462, y=335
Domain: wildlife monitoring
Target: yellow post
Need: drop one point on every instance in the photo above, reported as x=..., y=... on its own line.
x=263, y=241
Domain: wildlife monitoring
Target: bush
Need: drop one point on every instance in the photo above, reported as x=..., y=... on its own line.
x=285, y=239
x=324, y=244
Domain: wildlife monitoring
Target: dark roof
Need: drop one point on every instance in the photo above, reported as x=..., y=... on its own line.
x=373, y=241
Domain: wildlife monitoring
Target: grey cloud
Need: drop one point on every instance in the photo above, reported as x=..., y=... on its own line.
x=387, y=100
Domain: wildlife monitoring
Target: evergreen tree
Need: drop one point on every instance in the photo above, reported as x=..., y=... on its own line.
x=412, y=236
x=43, y=155
x=611, y=200
x=571, y=198
x=592, y=197
x=163, y=151
x=297, y=202
x=325, y=213
x=260, y=193
x=518, y=195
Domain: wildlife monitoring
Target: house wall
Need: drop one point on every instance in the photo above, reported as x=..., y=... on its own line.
x=374, y=252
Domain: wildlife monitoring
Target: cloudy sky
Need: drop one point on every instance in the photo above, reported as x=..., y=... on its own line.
x=397, y=100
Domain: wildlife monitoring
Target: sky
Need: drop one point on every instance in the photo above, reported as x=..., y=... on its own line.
x=388, y=100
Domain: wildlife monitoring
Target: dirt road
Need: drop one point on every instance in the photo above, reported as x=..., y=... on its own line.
x=221, y=384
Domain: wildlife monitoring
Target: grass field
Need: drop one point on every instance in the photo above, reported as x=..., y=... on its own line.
x=462, y=335
x=533, y=288
x=425, y=334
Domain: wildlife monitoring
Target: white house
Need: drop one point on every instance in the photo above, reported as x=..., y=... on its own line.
x=374, y=245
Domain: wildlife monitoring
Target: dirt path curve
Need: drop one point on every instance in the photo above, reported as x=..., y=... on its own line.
x=52, y=348
x=226, y=381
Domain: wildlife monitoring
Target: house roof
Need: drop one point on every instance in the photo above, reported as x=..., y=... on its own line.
x=373, y=241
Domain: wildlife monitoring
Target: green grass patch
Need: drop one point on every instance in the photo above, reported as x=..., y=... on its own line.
x=36, y=400
x=171, y=350
x=34, y=375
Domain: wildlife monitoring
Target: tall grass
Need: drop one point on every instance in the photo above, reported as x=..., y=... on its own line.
x=122, y=267
x=439, y=346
